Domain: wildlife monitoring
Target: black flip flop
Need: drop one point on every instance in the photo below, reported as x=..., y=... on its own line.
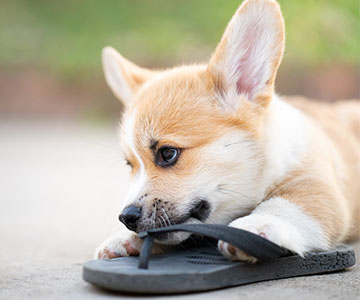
x=204, y=268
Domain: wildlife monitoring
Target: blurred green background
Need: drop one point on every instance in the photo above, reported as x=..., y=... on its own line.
x=50, y=50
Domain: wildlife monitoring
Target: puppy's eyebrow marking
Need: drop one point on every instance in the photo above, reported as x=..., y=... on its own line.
x=153, y=144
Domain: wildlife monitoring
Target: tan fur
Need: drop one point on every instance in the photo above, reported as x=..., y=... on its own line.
x=186, y=108
x=180, y=101
x=178, y=108
x=327, y=184
x=183, y=100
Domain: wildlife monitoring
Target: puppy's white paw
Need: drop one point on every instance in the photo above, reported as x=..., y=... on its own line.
x=233, y=253
x=282, y=223
x=267, y=226
x=119, y=245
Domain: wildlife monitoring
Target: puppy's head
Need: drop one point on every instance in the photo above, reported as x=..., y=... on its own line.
x=193, y=135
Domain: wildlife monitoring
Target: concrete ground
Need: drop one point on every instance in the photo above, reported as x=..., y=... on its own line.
x=60, y=190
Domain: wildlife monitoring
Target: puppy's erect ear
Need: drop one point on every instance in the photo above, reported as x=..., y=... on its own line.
x=248, y=56
x=123, y=77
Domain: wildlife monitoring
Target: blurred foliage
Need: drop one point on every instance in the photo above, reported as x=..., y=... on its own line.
x=67, y=36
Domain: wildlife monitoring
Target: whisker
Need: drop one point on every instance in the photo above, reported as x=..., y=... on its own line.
x=231, y=144
x=233, y=193
x=153, y=218
x=159, y=221
x=166, y=216
x=162, y=219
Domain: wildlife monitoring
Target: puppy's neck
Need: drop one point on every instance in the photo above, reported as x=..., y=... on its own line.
x=286, y=139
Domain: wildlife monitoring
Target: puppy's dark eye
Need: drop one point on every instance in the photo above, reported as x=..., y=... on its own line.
x=167, y=156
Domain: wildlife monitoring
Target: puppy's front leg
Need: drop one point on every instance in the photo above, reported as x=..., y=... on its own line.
x=122, y=243
x=283, y=223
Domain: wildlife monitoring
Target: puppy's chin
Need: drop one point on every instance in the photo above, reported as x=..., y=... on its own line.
x=174, y=238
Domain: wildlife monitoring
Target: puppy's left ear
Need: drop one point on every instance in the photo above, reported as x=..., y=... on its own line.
x=123, y=77
x=248, y=56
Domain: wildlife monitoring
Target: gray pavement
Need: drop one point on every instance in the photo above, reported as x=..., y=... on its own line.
x=61, y=186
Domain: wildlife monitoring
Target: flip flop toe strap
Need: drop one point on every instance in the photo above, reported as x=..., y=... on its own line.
x=246, y=241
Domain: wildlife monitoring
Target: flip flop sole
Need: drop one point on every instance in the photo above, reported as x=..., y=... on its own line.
x=203, y=269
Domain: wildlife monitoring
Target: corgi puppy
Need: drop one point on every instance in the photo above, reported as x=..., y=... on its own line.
x=213, y=143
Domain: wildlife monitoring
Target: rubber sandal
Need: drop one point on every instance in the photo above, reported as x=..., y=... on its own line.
x=204, y=268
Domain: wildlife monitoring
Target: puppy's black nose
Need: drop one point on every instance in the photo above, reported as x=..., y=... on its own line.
x=130, y=216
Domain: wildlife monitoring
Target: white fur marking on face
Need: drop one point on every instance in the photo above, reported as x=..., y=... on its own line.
x=229, y=177
x=238, y=170
x=285, y=224
x=140, y=179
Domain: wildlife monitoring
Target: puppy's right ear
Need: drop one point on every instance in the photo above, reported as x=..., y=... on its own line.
x=248, y=56
x=123, y=77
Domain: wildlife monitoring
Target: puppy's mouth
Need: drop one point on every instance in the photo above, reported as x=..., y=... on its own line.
x=200, y=211
x=197, y=214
